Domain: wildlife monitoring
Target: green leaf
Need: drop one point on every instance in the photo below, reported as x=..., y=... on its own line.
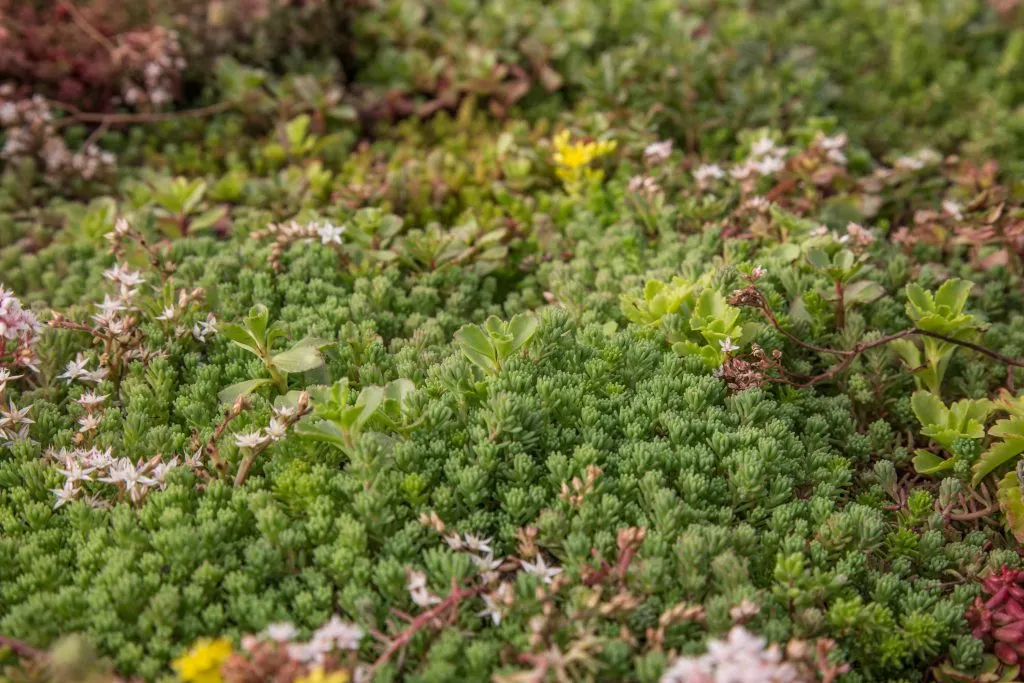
x=196, y=190
x=818, y=258
x=477, y=347
x=918, y=299
x=843, y=260
x=997, y=455
x=929, y=463
x=238, y=334
x=523, y=328
x=231, y=393
x=1011, y=503
x=863, y=292
x=953, y=294
x=928, y=408
x=369, y=400
x=298, y=359
x=256, y=320
x=207, y=219
x=322, y=430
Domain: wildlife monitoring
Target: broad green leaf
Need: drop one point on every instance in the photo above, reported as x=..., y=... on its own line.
x=908, y=352
x=863, y=292
x=997, y=455
x=289, y=400
x=296, y=130
x=929, y=463
x=1011, y=503
x=953, y=294
x=298, y=359
x=523, y=328
x=369, y=400
x=315, y=342
x=230, y=394
x=843, y=260
x=818, y=258
x=919, y=301
x=239, y=335
x=194, y=195
x=399, y=390
x=322, y=430
x=207, y=219
x=928, y=408
x=477, y=347
x=256, y=320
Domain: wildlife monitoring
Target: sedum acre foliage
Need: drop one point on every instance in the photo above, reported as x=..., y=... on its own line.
x=639, y=341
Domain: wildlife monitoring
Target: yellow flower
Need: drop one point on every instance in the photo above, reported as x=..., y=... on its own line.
x=202, y=663
x=317, y=675
x=571, y=159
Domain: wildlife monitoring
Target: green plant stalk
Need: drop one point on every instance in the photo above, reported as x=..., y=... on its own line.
x=840, y=306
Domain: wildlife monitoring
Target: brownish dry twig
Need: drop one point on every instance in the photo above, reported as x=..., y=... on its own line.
x=751, y=297
x=455, y=597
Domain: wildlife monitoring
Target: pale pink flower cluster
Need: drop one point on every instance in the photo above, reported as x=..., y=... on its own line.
x=80, y=466
x=658, y=153
x=741, y=658
x=766, y=158
x=644, y=185
x=334, y=635
x=29, y=131
x=833, y=146
x=707, y=173
x=19, y=332
x=918, y=160
x=154, y=62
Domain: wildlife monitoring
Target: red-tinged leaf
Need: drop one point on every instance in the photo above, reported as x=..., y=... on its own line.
x=1006, y=654
x=1008, y=634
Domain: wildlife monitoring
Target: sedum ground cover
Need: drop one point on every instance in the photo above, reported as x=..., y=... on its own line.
x=511, y=341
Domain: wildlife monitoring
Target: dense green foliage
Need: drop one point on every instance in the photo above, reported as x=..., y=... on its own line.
x=455, y=285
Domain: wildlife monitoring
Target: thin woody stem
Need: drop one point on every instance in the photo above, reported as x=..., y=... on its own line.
x=849, y=355
x=457, y=595
x=77, y=115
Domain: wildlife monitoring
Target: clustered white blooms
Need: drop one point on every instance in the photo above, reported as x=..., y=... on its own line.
x=833, y=146
x=14, y=421
x=275, y=431
x=153, y=63
x=29, y=131
x=644, y=185
x=706, y=173
x=285, y=234
x=19, y=332
x=658, y=153
x=333, y=635
x=741, y=658
x=81, y=466
x=766, y=158
x=541, y=568
x=77, y=370
x=416, y=584
x=953, y=209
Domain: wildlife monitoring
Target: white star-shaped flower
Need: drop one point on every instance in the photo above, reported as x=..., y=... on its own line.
x=330, y=233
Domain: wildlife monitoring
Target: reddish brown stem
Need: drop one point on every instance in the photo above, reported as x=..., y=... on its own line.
x=79, y=116
x=457, y=595
x=752, y=297
x=840, y=306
